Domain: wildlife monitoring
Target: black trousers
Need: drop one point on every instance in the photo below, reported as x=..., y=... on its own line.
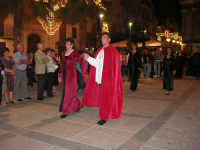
x=134, y=80
x=49, y=83
x=0, y=90
x=41, y=79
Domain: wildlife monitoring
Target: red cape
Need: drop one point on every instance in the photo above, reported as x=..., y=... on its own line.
x=110, y=98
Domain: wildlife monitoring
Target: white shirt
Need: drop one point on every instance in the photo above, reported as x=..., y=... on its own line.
x=51, y=67
x=98, y=64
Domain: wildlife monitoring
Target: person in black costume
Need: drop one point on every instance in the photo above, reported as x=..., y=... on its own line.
x=195, y=64
x=1, y=80
x=179, y=64
x=168, y=69
x=134, y=65
x=30, y=70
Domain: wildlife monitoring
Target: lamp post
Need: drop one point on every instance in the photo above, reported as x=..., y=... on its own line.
x=130, y=30
x=101, y=22
x=143, y=43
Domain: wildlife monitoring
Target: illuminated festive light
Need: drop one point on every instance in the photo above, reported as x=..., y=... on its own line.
x=177, y=42
x=56, y=7
x=173, y=41
x=101, y=15
x=105, y=27
x=168, y=40
x=130, y=24
x=45, y=1
x=169, y=35
x=50, y=25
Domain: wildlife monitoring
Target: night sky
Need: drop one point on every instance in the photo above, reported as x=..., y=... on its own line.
x=167, y=8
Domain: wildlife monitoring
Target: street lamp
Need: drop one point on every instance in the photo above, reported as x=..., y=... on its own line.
x=130, y=30
x=144, y=35
x=101, y=22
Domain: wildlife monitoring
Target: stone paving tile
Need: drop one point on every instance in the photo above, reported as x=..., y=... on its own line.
x=131, y=124
x=103, y=137
x=64, y=143
x=148, y=107
x=150, y=148
x=172, y=140
x=63, y=128
x=57, y=148
x=2, y=132
x=23, y=143
x=29, y=115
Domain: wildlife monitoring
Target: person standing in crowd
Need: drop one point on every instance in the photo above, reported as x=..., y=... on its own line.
x=10, y=70
x=41, y=61
x=195, y=64
x=157, y=62
x=51, y=67
x=152, y=63
x=104, y=86
x=135, y=66
x=168, y=69
x=179, y=64
x=31, y=70
x=21, y=62
x=55, y=78
x=70, y=102
x=1, y=79
x=147, y=65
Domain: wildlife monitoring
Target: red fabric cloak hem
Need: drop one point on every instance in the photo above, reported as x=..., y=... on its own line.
x=109, y=98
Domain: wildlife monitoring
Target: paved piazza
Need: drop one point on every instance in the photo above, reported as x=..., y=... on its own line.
x=150, y=121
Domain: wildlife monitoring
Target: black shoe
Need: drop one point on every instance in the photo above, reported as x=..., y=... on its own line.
x=28, y=98
x=63, y=116
x=20, y=100
x=40, y=99
x=101, y=122
x=133, y=90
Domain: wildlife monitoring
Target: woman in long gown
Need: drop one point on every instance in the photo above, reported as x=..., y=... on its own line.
x=168, y=68
x=68, y=76
x=180, y=63
x=135, y=66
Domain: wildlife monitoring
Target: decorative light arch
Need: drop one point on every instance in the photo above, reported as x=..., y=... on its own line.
x=50, y=24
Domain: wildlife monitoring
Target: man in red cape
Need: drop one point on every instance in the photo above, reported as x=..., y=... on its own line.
x=104, y=86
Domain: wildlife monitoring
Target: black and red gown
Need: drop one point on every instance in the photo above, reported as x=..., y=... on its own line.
x=70, y=102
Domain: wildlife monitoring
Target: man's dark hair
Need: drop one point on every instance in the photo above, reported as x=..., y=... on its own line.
x=106, y=33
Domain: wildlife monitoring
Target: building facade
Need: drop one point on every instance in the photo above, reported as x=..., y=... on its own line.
x=191, y=23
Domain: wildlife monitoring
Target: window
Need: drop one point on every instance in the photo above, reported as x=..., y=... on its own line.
x=74, y=33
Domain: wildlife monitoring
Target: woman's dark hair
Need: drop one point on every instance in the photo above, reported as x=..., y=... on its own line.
x=47, y=50
x=170, y=49
x=3, y=50
x=71, y=41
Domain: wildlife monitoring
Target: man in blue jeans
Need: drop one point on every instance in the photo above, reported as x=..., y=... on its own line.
x=21, y=61
x=147, y=65
x=157, y=62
